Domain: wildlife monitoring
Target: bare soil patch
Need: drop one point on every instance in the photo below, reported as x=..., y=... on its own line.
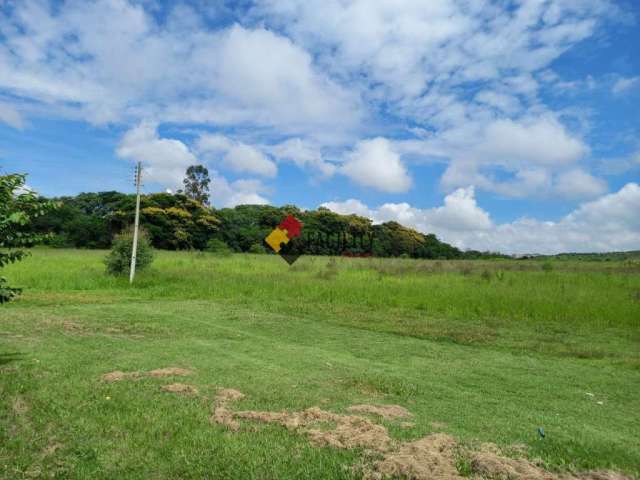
x=169, y=372
x=117, y=375
x=19, y=406
x=388, y=412
x=321, y=427
x=221, y=413
x=489, y=463
x=438, y=425
x=181, y=388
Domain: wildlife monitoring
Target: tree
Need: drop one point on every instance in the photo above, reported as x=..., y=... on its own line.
x=196, y=184
x=18, y=207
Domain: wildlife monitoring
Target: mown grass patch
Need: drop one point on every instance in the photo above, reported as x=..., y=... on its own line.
x=486, y=360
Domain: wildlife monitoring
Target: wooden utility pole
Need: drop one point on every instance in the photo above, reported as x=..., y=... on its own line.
x=134, y=250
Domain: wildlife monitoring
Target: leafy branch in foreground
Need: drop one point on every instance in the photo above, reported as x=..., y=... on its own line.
x=18, y=207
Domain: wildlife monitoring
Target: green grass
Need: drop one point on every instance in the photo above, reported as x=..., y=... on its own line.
x=492, y=349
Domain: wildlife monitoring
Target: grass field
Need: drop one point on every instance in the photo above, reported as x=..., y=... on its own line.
x=484, y=351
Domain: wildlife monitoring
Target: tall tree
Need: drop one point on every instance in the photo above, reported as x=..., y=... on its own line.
x=196, y=184
x=18, y=207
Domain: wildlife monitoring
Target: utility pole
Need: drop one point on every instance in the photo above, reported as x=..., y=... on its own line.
x=134, y=250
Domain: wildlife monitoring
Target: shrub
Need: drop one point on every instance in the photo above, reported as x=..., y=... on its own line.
x=256, y=248
x=118, y=262
x=19, y=206
x=330, y=271
x=218, y=247
x=547, y=267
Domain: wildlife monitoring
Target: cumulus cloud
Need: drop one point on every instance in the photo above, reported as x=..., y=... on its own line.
x=374, y=163
x=304, y=154
x=164, y=160
x=235, y=155
x=468, y=72
x=539, y=140
x=577, y=183
x=405, y=45
x=531, y=151
x=240, y=192
x=609, y=223
x=112, y=61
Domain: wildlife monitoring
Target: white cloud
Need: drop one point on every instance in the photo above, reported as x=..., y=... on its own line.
x=164, y=160
x=620, y=165
x=112, y=61
x=351, y=206
x=505, y=103
x=421, y=60
x=539, y=140
x=577, y=183
x=11, y=116
x=235, y=155
x=610, y=223
x=303, y=154
x=530, y=150
x=406, y=46
x=622, y=85
x=240, y=192
x=374, y=163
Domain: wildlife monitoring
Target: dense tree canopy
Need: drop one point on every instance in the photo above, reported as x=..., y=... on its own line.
x=177, y=222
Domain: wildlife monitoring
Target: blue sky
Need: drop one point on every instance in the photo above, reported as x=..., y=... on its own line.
x=502, y=125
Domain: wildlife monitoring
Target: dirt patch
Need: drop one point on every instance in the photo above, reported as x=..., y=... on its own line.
x=221, y=413
x=117, y=376
x=169, y=372
x=602, y=475
x=321, y=427
x=19, y=406
x=226, y=395
x=438, y=425
x=326, y=428
x=430, y=458
x=51, y=449
x=388, y=412
x=181, y=388
x=488, y=462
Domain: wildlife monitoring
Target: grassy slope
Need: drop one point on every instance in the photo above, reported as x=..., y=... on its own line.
x=492, y=357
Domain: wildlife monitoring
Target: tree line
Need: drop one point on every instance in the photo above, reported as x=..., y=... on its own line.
x=179, y=222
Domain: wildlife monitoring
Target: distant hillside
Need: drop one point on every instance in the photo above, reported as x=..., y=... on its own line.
x=602, y=257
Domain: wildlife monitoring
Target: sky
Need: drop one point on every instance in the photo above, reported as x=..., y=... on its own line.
x=503, y=125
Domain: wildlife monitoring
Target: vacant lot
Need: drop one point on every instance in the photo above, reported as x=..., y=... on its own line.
x=481, y=351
